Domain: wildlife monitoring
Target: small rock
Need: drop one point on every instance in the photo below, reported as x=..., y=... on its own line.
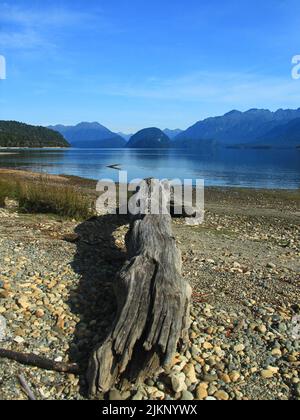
x=262, y=329
x=225, y=378
x=212, y=390
x=189, y=371
x=161, y=386
x=210, y=378
x=269, y=373
x=156, y=394
x=219, y=352
x=178, y=382
x=149, y=382
x=19, y=340
x=60, y=323
x=201, y=391
x=4, y=294
x=175, y=361
x=276, y=352
x=239, y=348
x=187, y=396
x=234, y=376
x=236, y=265
x=275, y=370
x=221, y=395
x=23, y=303
x=40, y=313
x=207, y=346
x=271, y=265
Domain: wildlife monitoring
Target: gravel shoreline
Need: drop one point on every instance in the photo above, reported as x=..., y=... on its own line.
x=243, y=263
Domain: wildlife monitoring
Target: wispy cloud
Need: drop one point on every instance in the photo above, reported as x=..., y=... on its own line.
x=25, y=39
x=227, y=88
x=55, y=16
x=32, y=28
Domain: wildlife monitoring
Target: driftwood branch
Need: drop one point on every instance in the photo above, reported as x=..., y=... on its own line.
x=153, y=307
x=30, y=359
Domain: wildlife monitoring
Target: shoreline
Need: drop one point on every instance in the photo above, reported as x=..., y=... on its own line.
x=262, y=203
x=17, y=171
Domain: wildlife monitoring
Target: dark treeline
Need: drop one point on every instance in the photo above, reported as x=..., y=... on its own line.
x=15, y=134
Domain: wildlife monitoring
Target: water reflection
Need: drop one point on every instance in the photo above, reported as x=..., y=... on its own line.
x=223, y=167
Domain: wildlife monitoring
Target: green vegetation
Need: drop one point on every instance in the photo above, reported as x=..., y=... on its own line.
x=15, y=134
x=40, y=196
x=8, y=189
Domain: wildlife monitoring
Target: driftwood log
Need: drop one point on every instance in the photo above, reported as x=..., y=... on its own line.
x=153, y=307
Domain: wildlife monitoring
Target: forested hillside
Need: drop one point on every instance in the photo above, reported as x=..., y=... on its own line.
x=15, y=134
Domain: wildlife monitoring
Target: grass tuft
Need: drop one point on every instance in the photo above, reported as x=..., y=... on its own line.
x=42, y=196
x=8, y=189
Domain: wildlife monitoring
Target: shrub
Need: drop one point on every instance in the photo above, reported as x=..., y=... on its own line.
x=8, y=189
x=42, y=197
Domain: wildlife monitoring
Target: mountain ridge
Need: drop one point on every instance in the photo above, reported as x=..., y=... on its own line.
x=172, y=133
x=252, y=128
x=90, y=135
x=236, y=127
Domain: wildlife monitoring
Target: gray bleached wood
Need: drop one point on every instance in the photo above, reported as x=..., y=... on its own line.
x=153, y=307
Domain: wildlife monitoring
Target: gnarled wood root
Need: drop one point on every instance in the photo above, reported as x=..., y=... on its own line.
x=154, y=308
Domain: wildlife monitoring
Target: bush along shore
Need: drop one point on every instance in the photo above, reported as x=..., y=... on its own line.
x=41, y=196
x=57, y=267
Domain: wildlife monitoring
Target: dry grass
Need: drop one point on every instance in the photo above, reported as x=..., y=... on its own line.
x=8, y=189
x=43, y=196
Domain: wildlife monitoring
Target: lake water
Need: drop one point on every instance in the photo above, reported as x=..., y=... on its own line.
x=218, y=167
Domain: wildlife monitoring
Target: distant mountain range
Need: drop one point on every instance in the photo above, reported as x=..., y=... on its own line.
x=251, y=129
x=125, y=136
x=172, y=133
x=254, y=127
x=95, y=135
x=90, y=135
x=16, y=134
x=152, y=138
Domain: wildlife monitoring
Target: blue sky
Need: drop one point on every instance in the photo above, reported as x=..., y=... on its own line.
x=134, y=64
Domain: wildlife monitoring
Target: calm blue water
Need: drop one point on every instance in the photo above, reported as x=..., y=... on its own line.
x=219, y=167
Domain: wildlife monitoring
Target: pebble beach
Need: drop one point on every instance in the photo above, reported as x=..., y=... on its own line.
x=57, y=301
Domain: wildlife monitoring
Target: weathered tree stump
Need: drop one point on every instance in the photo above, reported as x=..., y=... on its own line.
x=153, y=308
